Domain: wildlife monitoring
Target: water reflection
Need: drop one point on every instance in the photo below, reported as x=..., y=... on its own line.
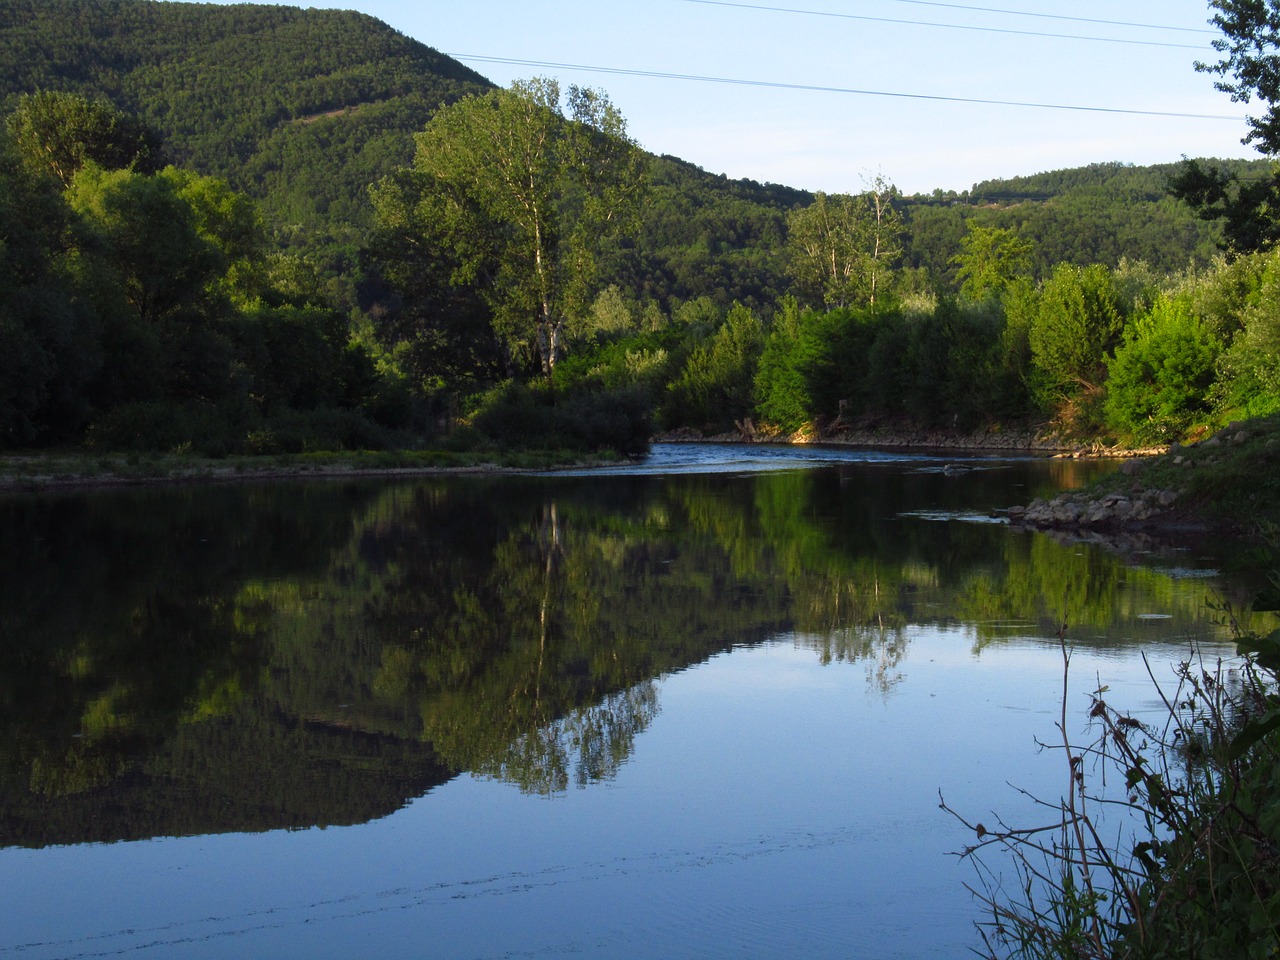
x=205, y=660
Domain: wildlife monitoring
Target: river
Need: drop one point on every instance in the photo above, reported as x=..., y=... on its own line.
x=703, y=705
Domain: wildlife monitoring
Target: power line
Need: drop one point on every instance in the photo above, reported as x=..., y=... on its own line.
x=1057, y=16
x=621, y=71
x=949, y=26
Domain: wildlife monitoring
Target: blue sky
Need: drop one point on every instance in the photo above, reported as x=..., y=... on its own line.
x=912, y=51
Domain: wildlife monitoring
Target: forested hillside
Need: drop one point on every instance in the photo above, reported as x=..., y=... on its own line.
x=301, y=109
x=1102, y=213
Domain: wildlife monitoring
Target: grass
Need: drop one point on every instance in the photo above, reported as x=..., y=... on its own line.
x=34, y=471
x=1195, y=870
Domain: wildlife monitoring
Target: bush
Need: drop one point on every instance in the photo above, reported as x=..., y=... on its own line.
x=1159, y=379
x=211, y=431
x=191, y=427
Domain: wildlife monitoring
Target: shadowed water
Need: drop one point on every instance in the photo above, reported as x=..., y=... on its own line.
x=698, y=706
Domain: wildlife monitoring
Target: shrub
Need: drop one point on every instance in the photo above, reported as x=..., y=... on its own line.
x=191, y=427
x=1159, y=379
x=1198, y=875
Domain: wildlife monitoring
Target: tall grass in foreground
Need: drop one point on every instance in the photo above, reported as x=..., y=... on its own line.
x=1195, y=871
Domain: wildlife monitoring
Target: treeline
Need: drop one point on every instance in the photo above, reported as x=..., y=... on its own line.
x=1126, y=354
x=145, y=308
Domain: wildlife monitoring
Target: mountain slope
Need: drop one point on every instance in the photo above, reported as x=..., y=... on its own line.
x=300, y=108
x=1101, y=213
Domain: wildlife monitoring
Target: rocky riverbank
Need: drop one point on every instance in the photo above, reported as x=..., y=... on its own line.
x=1086, y=509
x=1228, y=481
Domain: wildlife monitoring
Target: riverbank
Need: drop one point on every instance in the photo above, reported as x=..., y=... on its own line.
x=71, y=469
x=1038, y=440
x=1229, y=483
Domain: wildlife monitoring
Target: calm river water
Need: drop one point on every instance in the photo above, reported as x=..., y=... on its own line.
x=701, y=706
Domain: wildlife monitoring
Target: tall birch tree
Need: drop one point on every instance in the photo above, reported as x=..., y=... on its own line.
x=843, y=246
x=521, y=185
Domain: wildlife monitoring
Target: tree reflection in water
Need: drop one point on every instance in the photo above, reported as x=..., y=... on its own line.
x=350, y=645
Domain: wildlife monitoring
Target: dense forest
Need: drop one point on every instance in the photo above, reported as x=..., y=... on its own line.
x=262, y=229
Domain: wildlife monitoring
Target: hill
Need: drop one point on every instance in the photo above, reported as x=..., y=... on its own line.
x=1100, y=213
x=301, y=109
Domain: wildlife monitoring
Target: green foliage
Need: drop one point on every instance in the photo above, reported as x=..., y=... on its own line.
x=171, y=286
x=144, y=234
x=536, y=417
x=1195, y=872
x=1248, y=375
x=49, y=350
x=522, y=194
x=1244, y=203
x=1251, y=33
x=155, y=321
x=842, y=248
x=701, y=235
x=300, y=109
x=716, y=385
x=1077, y=321
x=1102, y=213
x=58, y=133
x=437, y=325
x=1159, y=379
x=783, y=396
x=990, y=258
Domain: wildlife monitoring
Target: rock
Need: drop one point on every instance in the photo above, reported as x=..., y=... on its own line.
x=1212, y=442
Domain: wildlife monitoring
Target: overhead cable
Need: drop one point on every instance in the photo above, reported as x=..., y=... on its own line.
x=949, y=26
x=1058, y=16
x=621, y=71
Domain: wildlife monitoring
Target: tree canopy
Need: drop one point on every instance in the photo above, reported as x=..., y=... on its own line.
x=522, y=191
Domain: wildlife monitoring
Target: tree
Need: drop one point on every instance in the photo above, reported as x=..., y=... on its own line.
x=47, y=349
x=990, y=258
x=1159, y=378
x=1246, y=206
x=146, y=233
x=717, y=383
x=1248, y=371
x=521, y=194
x=60, y=132
x=842, y=246
x=1249, y=46
x=1250, y=67
x=1077, y=320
